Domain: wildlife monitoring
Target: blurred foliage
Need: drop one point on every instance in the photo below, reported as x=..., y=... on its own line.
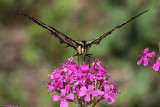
x=28, y=52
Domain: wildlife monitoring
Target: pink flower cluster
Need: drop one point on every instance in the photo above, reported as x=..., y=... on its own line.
x=82, y=84
x=150, y=58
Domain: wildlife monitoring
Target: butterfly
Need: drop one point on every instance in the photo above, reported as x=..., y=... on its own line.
x=81, y=47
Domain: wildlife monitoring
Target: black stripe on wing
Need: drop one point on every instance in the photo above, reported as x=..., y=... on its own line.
x=62, y=37
x=97, y=41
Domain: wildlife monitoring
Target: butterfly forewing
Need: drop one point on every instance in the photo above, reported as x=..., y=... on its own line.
x=97, y=41
x=62, y=37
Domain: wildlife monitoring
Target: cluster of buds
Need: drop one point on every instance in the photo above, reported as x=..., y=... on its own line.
x=82, y=84
x=151, y=58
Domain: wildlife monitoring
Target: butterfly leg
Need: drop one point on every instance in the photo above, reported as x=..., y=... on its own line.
x=90, y=57
x=78, y=59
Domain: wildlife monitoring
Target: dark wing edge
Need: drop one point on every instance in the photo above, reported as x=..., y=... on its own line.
x=62, y=37
x=97, y=41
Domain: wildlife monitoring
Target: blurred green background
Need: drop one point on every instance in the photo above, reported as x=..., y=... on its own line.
x=28, y=52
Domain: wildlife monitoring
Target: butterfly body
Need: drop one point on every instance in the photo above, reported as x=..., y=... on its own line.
x=83, y=48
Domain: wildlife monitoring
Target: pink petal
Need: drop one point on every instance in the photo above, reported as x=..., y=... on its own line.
x=156, y=66
x=92, y=66
x=87, y=98
x=97, y=92
x=64, y=103
x=150, y=54
x=67, y=87
x=83, y=91
x=106, y=88
x=139, y=62
x=90, y=87
x=119, y=92
x=56, y=98
x=109, y=82
x=63, y=92
x=51, y=76
x=111, y=100
x=91, y=78
x=145, y=60
x=77, y=89
x=106, y=96
x=70, y=96
x=51, y=88
x=146, y=50
x=84, y=67
x=60, y=84
x=110, y=96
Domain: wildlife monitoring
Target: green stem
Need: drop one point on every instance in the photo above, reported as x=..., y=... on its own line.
x=94, y=105
x=83, y=104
